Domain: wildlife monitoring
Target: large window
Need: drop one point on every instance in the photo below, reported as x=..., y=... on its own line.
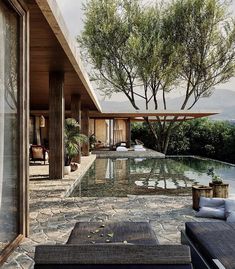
x=9, y=128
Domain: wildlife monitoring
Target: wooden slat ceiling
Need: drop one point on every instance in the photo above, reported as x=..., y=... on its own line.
x=46, y=54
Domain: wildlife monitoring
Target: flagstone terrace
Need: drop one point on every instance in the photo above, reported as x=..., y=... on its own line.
x=53, y=213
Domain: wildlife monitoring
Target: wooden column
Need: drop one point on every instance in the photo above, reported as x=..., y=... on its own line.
x=85, y=131
x=128, y=133
x=56, y=126
x=76, y=114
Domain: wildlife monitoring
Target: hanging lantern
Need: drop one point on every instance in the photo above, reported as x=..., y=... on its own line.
x=42, y=121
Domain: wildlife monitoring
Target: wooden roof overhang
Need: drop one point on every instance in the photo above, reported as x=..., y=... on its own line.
x=51, y=49
x=181, y=115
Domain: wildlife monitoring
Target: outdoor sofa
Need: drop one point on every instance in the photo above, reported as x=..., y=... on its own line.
x=212, y=244
x=132, y=245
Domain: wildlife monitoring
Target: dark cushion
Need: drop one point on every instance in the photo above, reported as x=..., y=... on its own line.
x=215, y=240
x=112, y=254
x=139, y=233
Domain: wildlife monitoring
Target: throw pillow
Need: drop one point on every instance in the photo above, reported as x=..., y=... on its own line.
x=210, y=212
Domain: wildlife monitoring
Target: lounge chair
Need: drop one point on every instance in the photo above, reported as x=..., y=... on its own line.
x=122, y=147
x=131, y=245
x=139, y=148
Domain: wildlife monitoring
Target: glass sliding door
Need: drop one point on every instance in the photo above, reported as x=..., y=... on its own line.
x=9, y=125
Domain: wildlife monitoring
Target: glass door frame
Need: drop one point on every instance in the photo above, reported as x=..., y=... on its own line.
x=23, y=118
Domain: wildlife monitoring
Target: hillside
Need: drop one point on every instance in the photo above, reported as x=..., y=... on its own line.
x=221, y=100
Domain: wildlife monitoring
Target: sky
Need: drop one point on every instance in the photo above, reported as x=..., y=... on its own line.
x=72, y=11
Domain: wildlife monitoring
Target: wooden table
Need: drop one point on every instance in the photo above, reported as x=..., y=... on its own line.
x=200, y=191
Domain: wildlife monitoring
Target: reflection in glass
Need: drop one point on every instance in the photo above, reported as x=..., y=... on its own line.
x=8, y=125
x=171, y=176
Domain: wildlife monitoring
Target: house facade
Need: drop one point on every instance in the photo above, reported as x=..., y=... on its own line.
x=40, y=75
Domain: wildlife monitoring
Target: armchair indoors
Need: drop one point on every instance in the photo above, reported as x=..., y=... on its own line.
x=38, y=153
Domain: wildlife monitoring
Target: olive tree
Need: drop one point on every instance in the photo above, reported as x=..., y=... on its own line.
x=147, y=51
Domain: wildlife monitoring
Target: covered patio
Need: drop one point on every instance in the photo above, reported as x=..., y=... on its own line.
x=112, y=128
x=57, y=83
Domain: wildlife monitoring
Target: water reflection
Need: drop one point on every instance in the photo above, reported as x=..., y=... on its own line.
x=120, y=177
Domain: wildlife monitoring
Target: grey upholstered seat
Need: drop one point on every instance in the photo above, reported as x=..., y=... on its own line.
x=214, y=240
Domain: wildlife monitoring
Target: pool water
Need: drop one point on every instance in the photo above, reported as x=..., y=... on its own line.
x=170, y=176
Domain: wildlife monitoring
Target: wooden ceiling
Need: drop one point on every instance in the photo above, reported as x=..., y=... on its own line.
x=47, y=54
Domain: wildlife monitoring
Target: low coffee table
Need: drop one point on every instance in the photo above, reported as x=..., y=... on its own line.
x=139, y=233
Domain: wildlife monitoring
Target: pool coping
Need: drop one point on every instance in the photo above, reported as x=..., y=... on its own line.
x=200, y=158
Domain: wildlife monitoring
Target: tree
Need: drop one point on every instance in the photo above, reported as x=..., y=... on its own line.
x=147, y=51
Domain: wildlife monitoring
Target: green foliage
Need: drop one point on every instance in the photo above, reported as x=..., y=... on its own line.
x=72, y=139
x=146, y=51
x=215, y=178
x=202, y=137
x=205, y=33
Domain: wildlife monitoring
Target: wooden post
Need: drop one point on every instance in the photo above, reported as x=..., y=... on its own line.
x=128, y=133
x=85, y=131
x=56, y=127
x=76, y=114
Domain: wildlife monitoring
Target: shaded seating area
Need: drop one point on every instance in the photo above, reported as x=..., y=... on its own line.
x=116, y=245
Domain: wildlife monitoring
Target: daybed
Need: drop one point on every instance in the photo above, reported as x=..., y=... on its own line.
x=131, y=245
x=212, y=244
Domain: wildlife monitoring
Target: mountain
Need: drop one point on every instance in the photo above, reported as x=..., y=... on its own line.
x=221, y=100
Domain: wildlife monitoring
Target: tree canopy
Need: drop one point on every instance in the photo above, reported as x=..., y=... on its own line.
x=146, y=51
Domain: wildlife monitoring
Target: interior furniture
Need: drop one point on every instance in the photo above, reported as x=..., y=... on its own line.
x=212, y=244
x=128, y=245
x=38, y=153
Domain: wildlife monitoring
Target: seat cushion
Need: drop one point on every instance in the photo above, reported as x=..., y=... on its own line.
x=214, y=240
x=139, y=233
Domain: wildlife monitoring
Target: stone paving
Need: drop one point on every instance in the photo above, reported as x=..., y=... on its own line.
x=149, y=153
x=53, y=214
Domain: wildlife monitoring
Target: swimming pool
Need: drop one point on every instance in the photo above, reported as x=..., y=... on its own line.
x=171, y=176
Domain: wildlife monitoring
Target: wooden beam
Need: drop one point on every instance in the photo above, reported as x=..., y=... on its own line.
x=76, y=114
x=128, y=132
x=85, y=131
x=56, y=127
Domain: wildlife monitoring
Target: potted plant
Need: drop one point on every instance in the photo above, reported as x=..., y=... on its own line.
x=215, y=178
x=92, y=141
x=72, y=141
x=220, y=189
